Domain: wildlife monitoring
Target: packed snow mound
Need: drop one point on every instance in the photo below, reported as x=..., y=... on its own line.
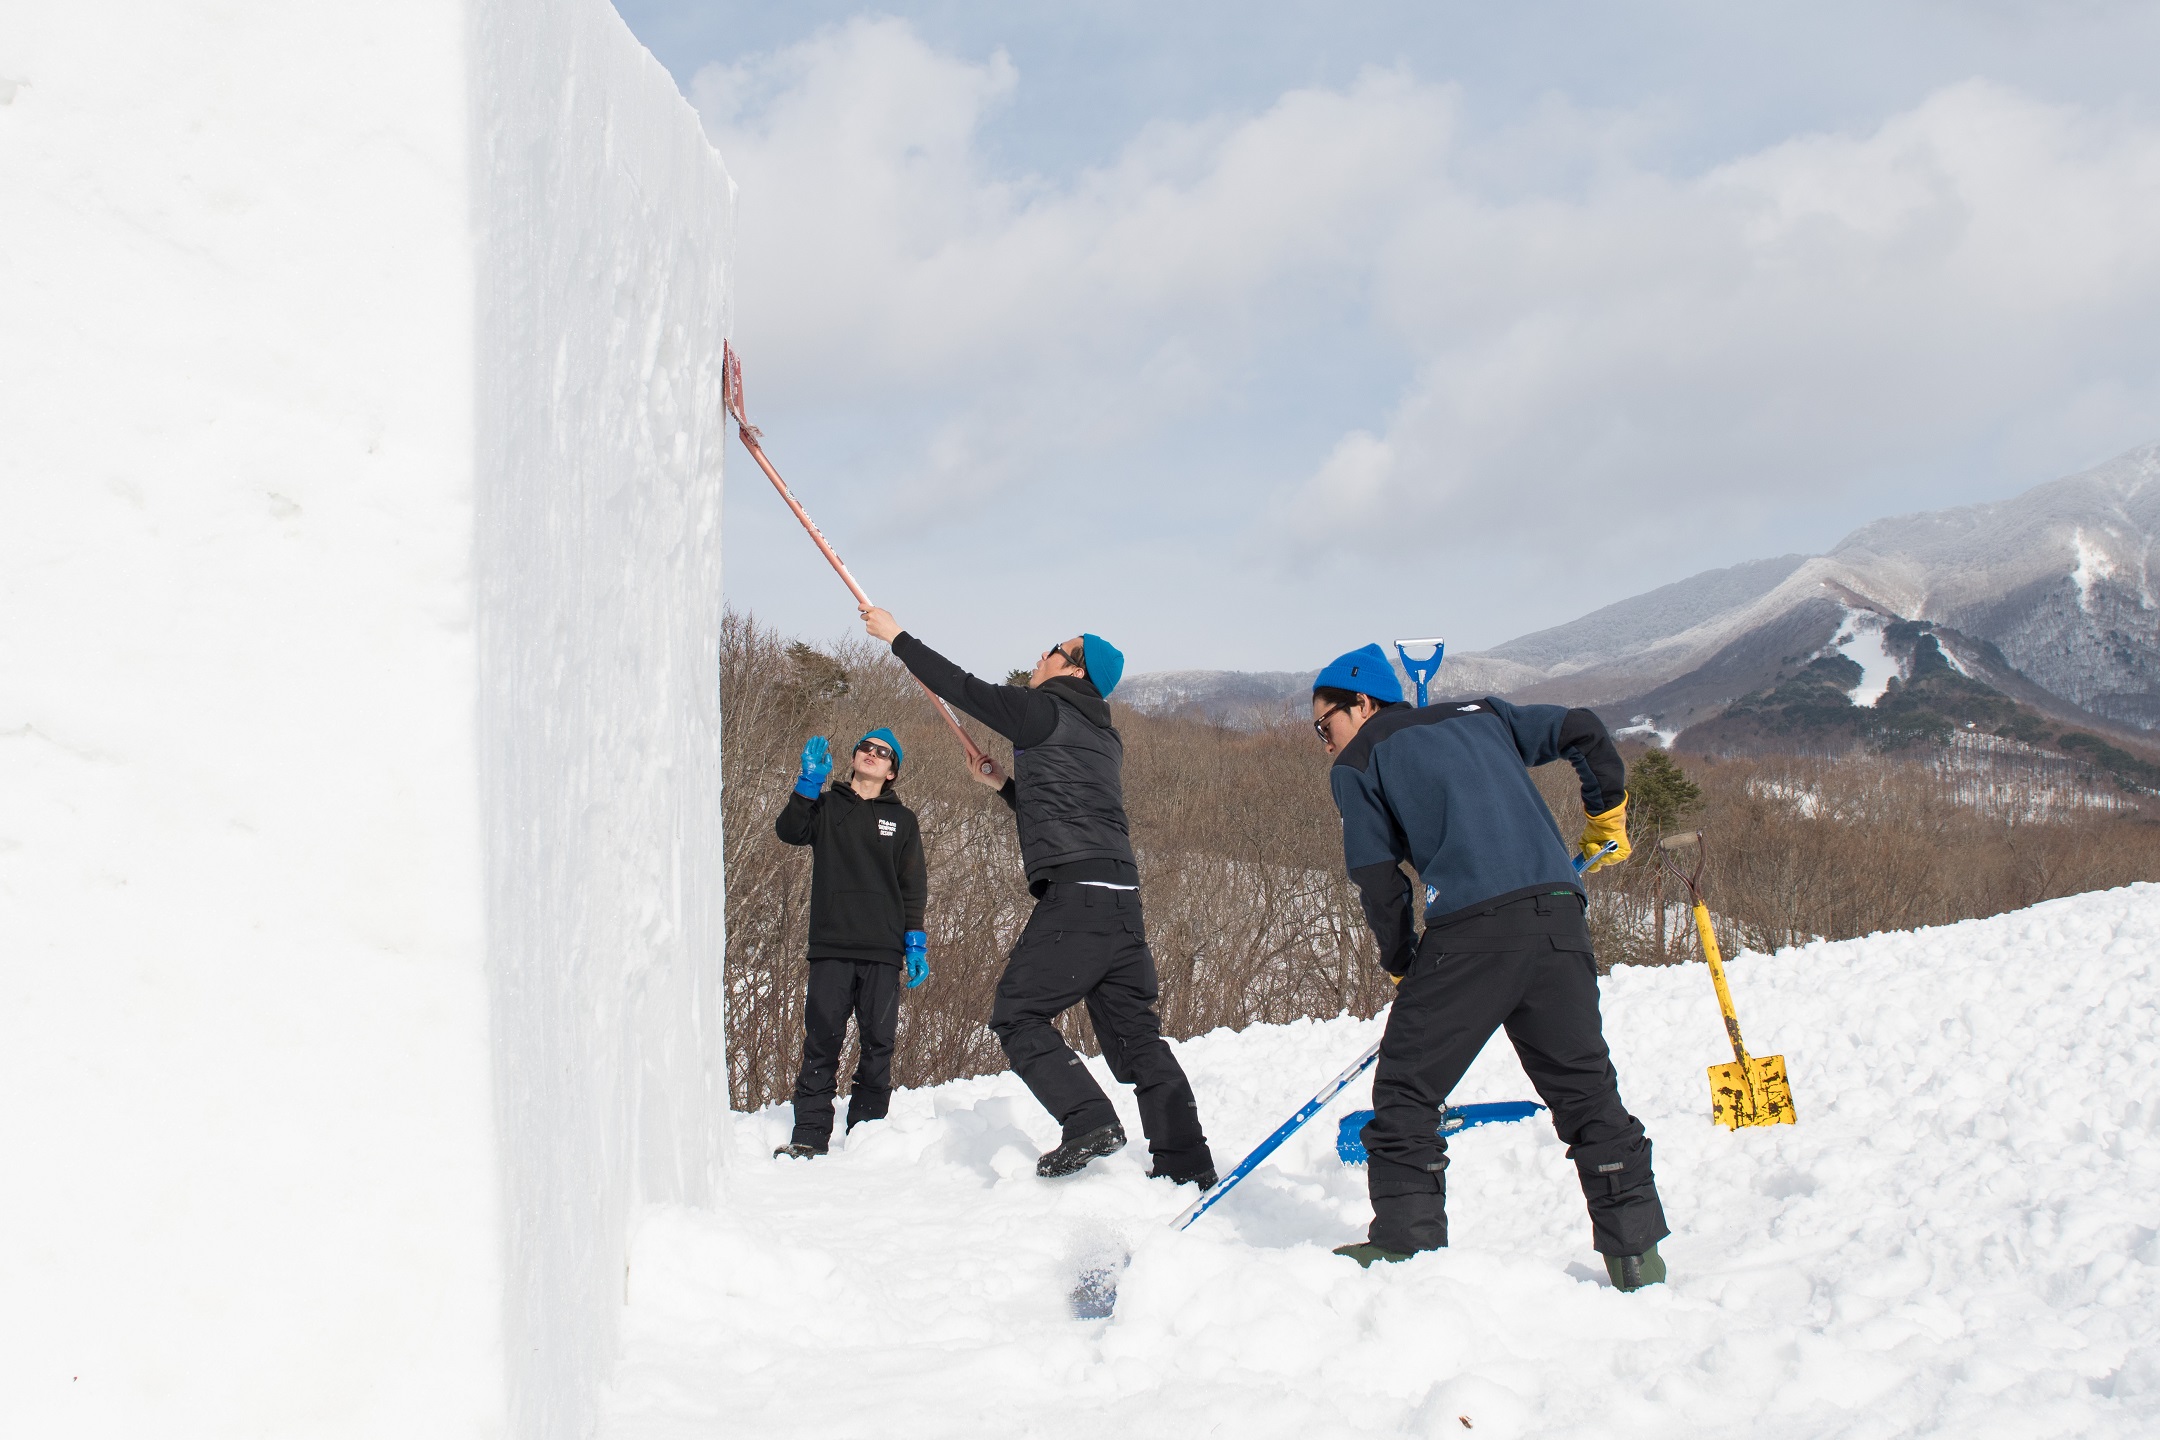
x=1959, y=1237
x=359, y=758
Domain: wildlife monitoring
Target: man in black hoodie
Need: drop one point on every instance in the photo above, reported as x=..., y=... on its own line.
x=867, y=888
x=1086, y=941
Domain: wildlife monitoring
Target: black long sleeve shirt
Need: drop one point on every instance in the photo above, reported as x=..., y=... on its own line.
x=1025, y=717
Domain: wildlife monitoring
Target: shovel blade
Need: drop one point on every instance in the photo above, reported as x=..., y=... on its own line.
x=1762, y=1096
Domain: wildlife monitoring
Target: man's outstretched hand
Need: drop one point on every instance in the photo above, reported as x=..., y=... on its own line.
x=879, y=622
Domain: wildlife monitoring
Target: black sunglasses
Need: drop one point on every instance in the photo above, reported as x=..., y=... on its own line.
x=1078, y=662
x=872, y=747
x=1319, y=726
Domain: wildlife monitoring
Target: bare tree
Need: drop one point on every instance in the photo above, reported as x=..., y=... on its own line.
x=1249, y=913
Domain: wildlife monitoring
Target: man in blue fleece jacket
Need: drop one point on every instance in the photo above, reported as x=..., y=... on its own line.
x=1445, y=791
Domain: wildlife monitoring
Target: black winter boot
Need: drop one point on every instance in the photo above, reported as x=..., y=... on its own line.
x=1204, y=1177
x=1632, y=1272
x=798, y=1150
x=1074, y=1154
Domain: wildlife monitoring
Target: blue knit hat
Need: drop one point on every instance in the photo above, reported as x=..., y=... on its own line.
x=1105, y=663
x=891, y=743
x=1367, y=671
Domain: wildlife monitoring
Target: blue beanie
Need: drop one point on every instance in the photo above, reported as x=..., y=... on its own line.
x=891, y=743
x=1366, y=671
x=1105, y=663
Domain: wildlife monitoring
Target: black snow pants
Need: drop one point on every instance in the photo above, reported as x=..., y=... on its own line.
x=1525, y=967
x=1086, y=943
x=870, y=991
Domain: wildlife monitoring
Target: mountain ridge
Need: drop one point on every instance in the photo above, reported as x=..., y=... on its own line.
x=2057, y=581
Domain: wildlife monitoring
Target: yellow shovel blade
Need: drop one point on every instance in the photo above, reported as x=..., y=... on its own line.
x=1734, y=1102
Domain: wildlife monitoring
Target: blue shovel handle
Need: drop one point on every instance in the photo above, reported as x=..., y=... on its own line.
x=1421, y=671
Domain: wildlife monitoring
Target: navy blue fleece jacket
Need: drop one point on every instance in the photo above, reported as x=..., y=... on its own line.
x=1448, y=789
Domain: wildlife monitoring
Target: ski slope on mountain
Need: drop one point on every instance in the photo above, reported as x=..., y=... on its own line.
x=1960, y=1237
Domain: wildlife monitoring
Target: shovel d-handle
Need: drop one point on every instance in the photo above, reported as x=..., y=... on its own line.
x=731, y=396
x=1421, y=671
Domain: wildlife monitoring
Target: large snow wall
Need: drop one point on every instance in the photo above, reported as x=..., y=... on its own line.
x=360, y=886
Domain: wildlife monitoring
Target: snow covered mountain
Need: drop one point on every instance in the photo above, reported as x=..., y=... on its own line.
x=2057, y=580
x=2050, y=591
x=1228, y=697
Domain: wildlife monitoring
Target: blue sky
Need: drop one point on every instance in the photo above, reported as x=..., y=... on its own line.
x=1245, y=333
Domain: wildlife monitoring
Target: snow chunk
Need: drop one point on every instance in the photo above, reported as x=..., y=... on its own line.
x=359, y=526
x=1645, y=727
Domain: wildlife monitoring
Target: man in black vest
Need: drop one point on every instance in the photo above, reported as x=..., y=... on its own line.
x=1086, y=941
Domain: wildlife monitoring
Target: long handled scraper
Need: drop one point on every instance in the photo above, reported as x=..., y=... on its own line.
x=731, y=394
x=1753, y=1089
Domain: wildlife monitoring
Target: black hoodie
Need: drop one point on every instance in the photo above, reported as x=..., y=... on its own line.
x=867, y=879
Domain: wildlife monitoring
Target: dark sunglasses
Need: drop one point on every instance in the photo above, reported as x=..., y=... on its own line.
x=871, y=747
x=1319, y=726
x=1078, y=662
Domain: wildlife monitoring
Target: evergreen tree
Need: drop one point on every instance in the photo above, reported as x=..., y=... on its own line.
x=814, y=677
x=1660, y=796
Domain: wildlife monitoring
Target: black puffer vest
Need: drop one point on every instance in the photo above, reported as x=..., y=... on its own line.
x=1069, y=797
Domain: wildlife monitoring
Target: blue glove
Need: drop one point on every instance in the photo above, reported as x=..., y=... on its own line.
x=816, y=766
x=918, y=959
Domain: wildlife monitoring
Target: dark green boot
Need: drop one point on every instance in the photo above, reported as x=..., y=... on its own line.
x=1632, y=1272
x=1365, y=1252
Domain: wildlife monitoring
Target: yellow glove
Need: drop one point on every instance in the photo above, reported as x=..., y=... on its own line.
x=1612, y=825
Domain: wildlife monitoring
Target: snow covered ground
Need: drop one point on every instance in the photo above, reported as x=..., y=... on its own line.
x=1960, y=1237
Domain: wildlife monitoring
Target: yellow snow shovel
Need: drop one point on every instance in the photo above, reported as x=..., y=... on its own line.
x=1752, y=1090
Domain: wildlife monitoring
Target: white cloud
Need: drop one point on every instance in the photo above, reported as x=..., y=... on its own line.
x=1779, y=327
x=1538, y=323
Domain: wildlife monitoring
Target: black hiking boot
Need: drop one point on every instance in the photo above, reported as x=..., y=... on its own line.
x=1365, y=1253
x=798, y=1150
x=1205, y=1178
x=1074, y=1154
x=1632, y=1272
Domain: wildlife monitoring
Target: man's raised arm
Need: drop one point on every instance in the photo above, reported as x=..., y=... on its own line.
x=1021, y=716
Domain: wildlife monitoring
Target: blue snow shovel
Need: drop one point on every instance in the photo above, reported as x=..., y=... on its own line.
x=1350, y=1145
x=1096, y=1294
x=1421, y=671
